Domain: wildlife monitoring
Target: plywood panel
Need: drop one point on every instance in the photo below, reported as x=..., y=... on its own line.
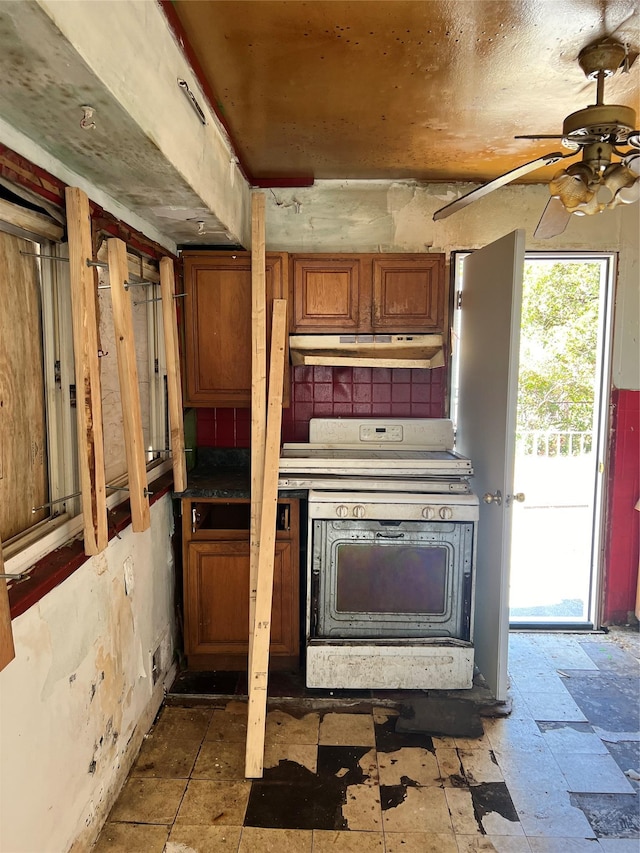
x=23, y=447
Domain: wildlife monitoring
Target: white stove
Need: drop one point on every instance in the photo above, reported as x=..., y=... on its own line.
x=391, y=553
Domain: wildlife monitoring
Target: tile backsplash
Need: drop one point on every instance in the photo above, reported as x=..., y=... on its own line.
x=335, y=392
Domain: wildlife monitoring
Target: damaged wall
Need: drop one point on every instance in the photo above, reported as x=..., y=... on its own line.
x=79, y=696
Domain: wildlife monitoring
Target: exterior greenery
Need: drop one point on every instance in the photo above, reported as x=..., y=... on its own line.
x=558, y=354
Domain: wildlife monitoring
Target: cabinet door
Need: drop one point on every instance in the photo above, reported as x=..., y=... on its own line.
x=217, y=600
x=218, y=325
x=409, y=294
x=330, y=294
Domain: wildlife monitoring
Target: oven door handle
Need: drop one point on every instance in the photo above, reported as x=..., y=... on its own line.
x=389, y=535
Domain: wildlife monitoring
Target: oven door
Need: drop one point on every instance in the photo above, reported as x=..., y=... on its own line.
x=384, y=580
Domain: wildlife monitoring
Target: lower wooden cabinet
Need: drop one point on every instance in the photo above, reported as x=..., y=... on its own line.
x=216, y=585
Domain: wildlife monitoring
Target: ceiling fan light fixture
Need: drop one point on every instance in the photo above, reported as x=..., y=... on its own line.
x=573, y=186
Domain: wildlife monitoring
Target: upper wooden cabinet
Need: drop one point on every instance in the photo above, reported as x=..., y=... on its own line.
x=218, y=324
x=368, y=293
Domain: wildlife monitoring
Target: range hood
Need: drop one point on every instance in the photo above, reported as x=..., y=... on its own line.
x=408, y=350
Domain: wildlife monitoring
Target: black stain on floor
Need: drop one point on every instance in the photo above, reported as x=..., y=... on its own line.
x=391, y=796
x=626, y=755
x=610, y=815
x=608, y=700
x=390, y=740
x=292, y=797
x=493, y=798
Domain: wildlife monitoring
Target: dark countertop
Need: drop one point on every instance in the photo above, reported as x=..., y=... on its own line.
x=224, y=473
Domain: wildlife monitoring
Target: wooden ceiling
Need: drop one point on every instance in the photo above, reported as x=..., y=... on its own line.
x=398, y=89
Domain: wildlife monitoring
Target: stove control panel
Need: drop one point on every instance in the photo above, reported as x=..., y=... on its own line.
x=393, y=507
x=381, y=432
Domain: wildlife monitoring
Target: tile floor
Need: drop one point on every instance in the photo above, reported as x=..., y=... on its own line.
x=549, y=778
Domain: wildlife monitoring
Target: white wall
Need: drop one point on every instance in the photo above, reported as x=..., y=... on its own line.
x=78, y=697
x=385, y=216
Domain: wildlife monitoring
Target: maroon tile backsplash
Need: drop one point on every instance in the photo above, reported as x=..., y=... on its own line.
x=335, y=392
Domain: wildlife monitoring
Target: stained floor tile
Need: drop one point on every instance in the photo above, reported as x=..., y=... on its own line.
x=347, y=730
x=416, y=765
x=593, y=774
x=214, y=803
x=348, y=842
x=611, y=815
x=220, y=761
x=131, y=838
x=479, y=765
x=149, y=800
x=257, y=840
x=304, y=754
x=553, y=706
x=463, y=816
x=166, y=758
x=182, y=723
x=203, y=839
x=570, y=737
x=420, y=842
x=285, y=728
x=549, y=813
x=564, y=845
x=406, y=809
x=361, y=810
x=497, y=843
x=450, y=767
x=228, y=725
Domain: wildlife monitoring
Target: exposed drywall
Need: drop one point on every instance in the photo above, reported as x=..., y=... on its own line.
x=79, y=696
x=370, y=216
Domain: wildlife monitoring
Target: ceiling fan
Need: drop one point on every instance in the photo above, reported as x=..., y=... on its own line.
x=599, y=132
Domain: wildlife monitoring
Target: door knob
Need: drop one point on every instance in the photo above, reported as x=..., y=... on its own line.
x=519, y=496
x=495, y=498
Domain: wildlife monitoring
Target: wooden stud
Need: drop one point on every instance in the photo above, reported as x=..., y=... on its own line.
x=258, y=673
x=7, y=649
x=258, y=394
x=129, y=387
x=174, y=385
x=31, y=221
x=87, y=373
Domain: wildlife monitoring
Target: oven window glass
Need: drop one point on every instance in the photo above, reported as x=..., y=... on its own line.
x=395, y=579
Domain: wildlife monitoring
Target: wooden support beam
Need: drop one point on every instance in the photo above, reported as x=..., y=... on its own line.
x=174, y=385
x=258, y=394
x=258, y=673
x=7, y=649
x=129, y=387
x=87, y=373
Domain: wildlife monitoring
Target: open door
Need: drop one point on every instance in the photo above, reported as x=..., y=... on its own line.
x=488, y=386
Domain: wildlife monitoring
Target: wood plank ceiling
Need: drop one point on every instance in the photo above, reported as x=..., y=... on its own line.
x=433, y=90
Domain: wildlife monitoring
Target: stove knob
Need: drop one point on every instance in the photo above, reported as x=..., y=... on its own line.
x=446, y=512
x=342, y=511
x=359, y=511
x=428, y=512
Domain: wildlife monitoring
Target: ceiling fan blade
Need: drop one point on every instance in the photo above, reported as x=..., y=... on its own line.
x=485, y=189
x=555, y=218
x=540, y=136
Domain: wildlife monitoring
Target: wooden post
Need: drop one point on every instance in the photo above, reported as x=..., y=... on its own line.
x=129, y=387
x=87, y=372
x=7, y=649
x=258, y=673
x=174, y=385
x=258, y=395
